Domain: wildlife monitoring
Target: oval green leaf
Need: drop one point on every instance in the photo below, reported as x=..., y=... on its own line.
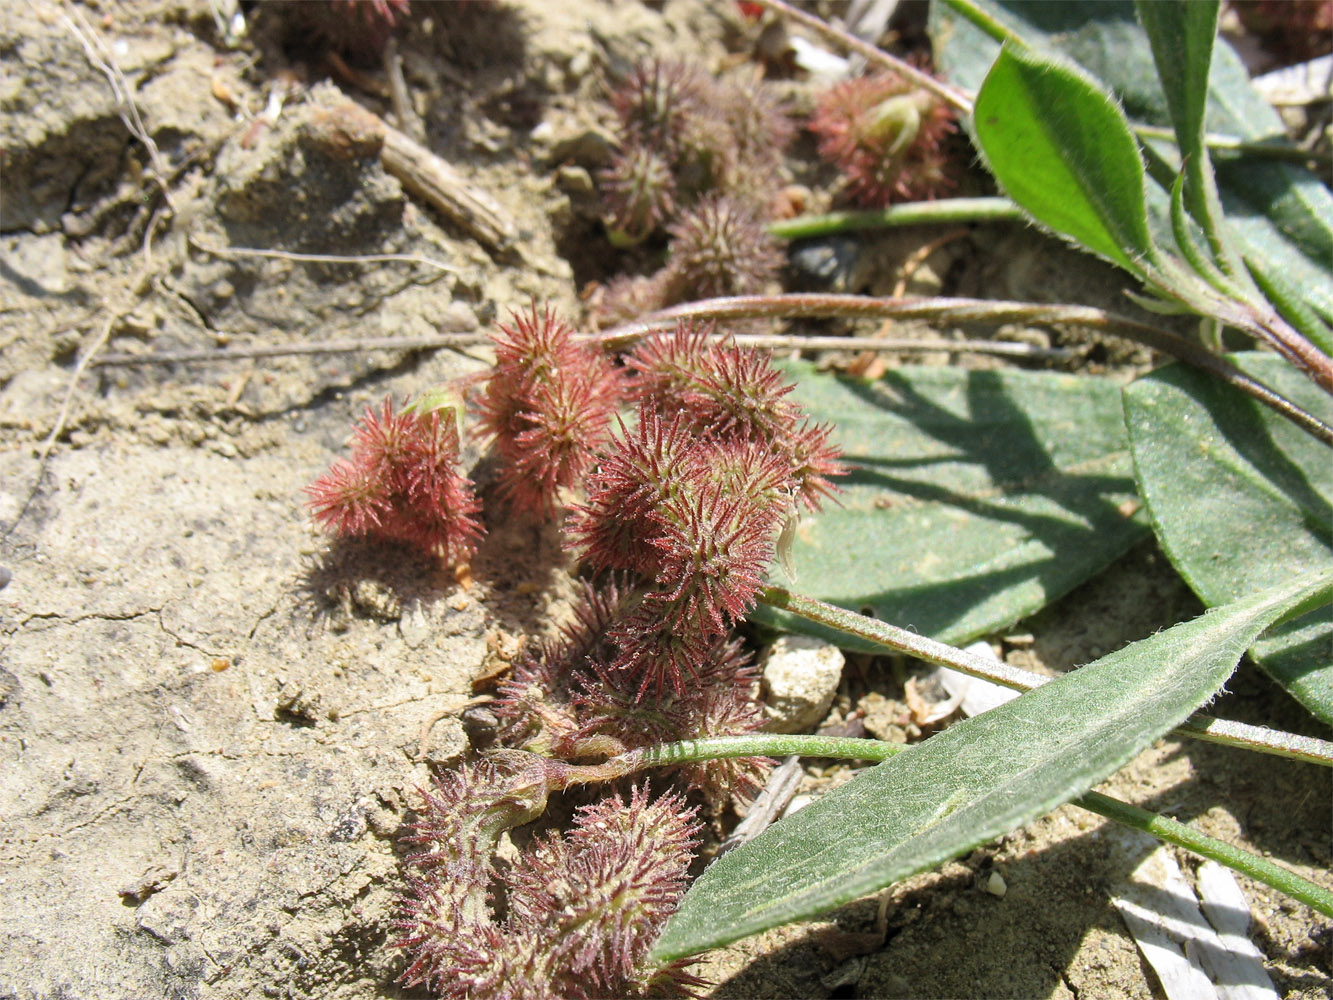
x=1283, y=213
x=1061, y=148
x=977, y=497
x=1240, y=500
x=976, y=780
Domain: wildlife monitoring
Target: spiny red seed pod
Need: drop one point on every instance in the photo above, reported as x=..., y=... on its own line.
x=742, y=394
x=719, y=247
x=886, y=137
x=814, y=461
x=654, y=656
x=715, y=549
x=579, y=695
x=402, y=485
x=668, y=365
x=602, y=893
x=548, y=403
x=446, y=921
x=758, y=130
x=584, y=909
x=627, y=297
x=637, y=476
x=734, y=395
x=719, y=700
x=639, y=193
x=721, y=388
x=752, y=470
x=534, y=705
x=657, y=102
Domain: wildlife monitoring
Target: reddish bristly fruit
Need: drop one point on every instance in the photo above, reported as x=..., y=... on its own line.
x=737, y=396
x=886, y=137
x=586, y=693
x=714, y=549
x=759, y=131
x=548, y=405
x=402, y=484
x=692, y=504
x=603, y=892
x=583, y=908
x=719, y=247
x=535, y=703
x=641, y=471
x=639, y=193
x=657, y=104
x=685, y=137
x=628, y=296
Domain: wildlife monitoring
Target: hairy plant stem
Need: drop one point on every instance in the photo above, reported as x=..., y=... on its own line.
x=1266, y=149
x=1289, y=342
x=912, y=213
x=959, y=310
x=1228, y=733
x=1174, y=832
x=847, y=748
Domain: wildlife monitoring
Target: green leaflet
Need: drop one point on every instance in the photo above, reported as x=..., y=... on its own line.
x=976, y=780
x=977, y=497
x=1061, y=148
x=1282, y=214
x=1242, y=500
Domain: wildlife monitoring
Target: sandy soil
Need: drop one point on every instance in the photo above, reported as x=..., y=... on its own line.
x=209, y=714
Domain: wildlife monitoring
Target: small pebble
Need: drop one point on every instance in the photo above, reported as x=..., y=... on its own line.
x=823, y=265
x=801, y=675
x=995, y=885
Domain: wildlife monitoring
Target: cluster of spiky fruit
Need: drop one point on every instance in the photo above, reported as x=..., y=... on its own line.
x=565, y=699
x=402, y=483
x=547, y=404
x=700, y=158
x=681, y=509
x=886, y=136
x=583, y=909
x=693, y=496
x=684, y=135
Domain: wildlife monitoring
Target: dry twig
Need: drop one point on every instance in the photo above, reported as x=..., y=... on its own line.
x=775, y=342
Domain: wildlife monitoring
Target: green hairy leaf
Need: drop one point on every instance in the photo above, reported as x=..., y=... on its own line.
x=1281, y=214
x=1061, y=148
x=976, y=780
x=976, y=497
x=1241, y=500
